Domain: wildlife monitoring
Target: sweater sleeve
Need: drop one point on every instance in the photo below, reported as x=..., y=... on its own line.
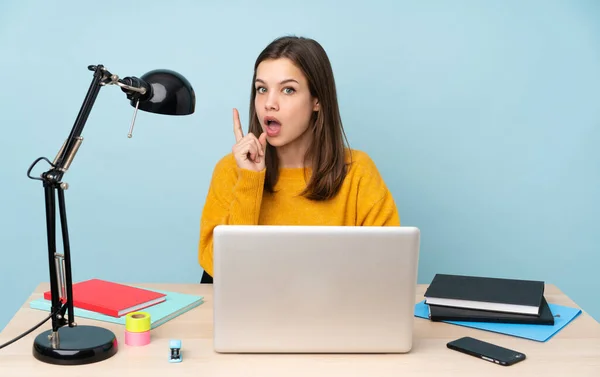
x=376, y=205
x=234, y=198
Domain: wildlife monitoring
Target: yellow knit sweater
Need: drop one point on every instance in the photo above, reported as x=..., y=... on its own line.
x=236, y=197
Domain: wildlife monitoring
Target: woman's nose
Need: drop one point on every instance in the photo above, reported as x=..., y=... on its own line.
x=271, y=103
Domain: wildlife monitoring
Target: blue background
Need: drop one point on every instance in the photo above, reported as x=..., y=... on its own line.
x=482, y=116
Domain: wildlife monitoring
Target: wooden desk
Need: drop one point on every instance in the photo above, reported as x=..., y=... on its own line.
x=575, y=351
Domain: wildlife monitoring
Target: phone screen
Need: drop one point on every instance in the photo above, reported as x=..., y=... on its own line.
x=487, y=351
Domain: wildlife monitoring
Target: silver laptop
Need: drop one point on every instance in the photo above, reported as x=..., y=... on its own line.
x=314, y=289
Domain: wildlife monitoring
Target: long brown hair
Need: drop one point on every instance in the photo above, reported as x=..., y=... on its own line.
x=327, y=150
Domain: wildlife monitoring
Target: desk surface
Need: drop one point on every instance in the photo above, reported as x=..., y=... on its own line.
x=575, y=351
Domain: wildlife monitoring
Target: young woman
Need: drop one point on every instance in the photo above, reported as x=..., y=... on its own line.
x=293, y=167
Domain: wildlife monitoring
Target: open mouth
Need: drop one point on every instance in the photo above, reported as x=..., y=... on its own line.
x=272, y=125
x=272, y=121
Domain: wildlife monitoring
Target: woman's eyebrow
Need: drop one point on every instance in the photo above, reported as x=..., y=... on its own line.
x=281, y=82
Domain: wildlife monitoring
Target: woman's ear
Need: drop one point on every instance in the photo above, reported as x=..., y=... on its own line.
x=316, y=104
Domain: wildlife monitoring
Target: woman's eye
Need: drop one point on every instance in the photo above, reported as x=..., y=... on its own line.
x=289, y=90
x=260, y=89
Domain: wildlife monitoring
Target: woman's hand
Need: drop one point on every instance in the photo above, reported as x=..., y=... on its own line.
x=249, y=151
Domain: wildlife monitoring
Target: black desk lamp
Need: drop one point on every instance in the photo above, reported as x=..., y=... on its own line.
x=159, y=91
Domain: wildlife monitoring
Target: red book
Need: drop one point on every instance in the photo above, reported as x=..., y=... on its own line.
x=110, y=298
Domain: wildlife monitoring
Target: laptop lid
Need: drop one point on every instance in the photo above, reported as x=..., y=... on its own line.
x=316, y=289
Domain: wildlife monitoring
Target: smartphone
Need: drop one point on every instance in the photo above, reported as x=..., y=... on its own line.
x=486, y=351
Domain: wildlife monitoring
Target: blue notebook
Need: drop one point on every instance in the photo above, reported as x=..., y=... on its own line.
x=563, y=315
x=174, y=305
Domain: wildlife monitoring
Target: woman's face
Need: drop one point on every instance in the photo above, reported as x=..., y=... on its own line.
x=283, y=103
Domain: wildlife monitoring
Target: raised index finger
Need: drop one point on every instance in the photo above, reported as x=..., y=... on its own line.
x=237, y=126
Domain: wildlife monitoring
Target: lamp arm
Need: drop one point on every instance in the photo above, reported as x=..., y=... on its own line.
x=59, y=264
x=67, y=152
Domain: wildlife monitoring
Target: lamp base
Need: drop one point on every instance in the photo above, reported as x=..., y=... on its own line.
x=77, y=345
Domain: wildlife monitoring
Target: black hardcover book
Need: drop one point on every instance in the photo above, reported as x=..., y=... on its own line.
x=446, y=313
x=486, y=293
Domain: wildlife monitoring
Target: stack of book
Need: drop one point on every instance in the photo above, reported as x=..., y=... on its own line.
x=107, y=301
x=487, y=299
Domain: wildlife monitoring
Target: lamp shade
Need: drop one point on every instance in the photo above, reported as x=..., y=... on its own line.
x=170, y=93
